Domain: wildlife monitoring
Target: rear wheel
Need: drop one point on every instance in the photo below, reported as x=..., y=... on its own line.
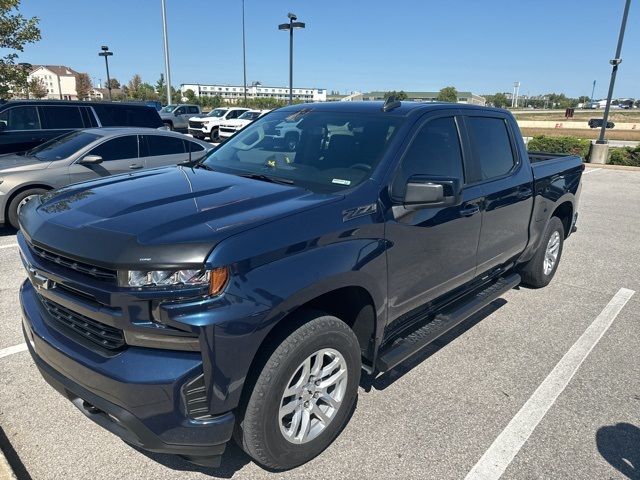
x=19, y=201
x=213, y=136
x=169, y=125
x=539, y=271
x=303, y=396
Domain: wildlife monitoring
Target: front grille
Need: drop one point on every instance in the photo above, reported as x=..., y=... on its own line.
x=195, y=399
x=91, y=270
x=98, y=333
x=197, y=125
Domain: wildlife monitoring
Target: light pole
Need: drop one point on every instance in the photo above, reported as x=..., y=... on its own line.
x=27, y=67
x=244, y=57
x=290, y=26
x=167, y=70
x=593, y=90
x=106, y=54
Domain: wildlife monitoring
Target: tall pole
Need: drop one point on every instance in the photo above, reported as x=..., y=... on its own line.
x=106, y=62
x=593, y=90
x=167, y=72
x=244, y=57
x=615, y=62
x=291, y=61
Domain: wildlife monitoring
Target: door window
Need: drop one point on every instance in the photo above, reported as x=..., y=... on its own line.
x=58, y=117
x=193, y=110
x=491, y=146
x=434, y=152
x=164, y=145
x=195, y=147
x=21, y=118
x=181, y=111
x=118, y=148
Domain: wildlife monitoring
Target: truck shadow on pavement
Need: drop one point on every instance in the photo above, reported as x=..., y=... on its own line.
x=7, y=231
x=383, y=381
x=620, y=446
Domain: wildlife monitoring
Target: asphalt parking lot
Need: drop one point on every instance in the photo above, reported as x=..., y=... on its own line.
x=436, y=415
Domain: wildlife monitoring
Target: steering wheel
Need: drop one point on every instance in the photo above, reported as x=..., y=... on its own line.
x=361, y=166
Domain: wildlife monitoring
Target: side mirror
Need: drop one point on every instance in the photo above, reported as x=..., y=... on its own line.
x=432, y=192
x=91, y=160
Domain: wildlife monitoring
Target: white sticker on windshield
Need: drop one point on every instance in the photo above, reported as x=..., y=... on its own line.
x=340, y=181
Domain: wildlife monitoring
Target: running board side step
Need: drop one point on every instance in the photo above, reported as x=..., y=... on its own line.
x=403, y=348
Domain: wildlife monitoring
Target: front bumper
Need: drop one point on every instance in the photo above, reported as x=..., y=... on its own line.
x=135, y=394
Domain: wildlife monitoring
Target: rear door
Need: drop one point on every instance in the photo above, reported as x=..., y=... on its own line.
x=163, y=150
x=506, y=182
x=433, y=249
x=119, y=155
x=60, y=119
x=22, y=129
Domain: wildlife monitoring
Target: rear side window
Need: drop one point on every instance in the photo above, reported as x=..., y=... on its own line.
x=20, y=118
x=491, y=146
x=117, y=148
x=164, y=145
x=55, y=117
x=127, y=116
x=195, y=147
x=193, y=110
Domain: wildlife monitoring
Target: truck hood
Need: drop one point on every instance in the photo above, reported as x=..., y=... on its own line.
x=13, y=162
x=160, y=218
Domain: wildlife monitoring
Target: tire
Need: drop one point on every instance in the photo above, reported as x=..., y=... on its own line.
x=169, y=125
x=535, y=273
x=17, y=202
x=213, y=135
x=262, y=431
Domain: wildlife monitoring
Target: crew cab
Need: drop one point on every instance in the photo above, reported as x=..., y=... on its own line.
x=176, y=117
x=241, y=296
x=230, y=127
x=208, y=125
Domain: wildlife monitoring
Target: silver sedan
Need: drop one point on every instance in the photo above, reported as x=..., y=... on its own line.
x=87, y=154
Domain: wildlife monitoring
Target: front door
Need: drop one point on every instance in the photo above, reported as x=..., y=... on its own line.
x=119, y=155
x=433, y=250
x=21, y=129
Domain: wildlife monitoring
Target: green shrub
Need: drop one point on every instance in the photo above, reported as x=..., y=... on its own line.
x=568, y=145
x=625, y=156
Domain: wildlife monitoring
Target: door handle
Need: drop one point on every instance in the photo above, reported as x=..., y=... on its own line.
x=524, y=193
x=135, y=166
x=470, y=210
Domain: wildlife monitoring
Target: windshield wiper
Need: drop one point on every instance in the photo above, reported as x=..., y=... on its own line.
x=204, y=166
x=267, y=178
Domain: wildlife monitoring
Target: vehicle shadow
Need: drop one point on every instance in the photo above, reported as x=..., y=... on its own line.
x=368, y=382
x=7, y=231
x=620, y=446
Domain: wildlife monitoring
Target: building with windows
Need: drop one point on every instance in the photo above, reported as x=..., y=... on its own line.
x=463, y=97
x=59, y=80
x=256, y=90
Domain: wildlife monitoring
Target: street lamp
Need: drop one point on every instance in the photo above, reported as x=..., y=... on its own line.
x=244, y=57
x=106, y=54
x=27, y=67
x=290, y=26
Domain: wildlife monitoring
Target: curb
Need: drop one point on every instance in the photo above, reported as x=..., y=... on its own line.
x=612, y=167
x=6, y=472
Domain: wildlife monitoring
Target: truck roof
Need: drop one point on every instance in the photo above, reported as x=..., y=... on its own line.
x=406, y=108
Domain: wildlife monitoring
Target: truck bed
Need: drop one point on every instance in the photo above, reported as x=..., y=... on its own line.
x=545, y=164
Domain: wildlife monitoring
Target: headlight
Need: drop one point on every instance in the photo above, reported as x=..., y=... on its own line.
x=216, y=278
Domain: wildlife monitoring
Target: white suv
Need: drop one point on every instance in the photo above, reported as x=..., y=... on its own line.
x=207, y=126
x=227, y=129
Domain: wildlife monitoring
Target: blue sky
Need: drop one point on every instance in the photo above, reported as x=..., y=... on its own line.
x=481, y=45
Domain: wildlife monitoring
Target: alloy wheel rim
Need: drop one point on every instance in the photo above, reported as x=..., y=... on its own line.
x=24, y=201
x=551, y=253
x=313, y=396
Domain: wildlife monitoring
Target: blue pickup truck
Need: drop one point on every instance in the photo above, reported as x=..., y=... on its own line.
x=242, y=296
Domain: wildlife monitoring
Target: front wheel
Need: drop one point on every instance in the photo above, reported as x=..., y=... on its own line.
x=539, y=271
x=304, y=394
x=19, y=201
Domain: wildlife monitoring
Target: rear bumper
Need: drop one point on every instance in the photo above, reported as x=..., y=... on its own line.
x=136, y=394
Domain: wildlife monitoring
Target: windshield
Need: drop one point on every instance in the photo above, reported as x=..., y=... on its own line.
x=249, y=115
x=62, y=146
x=169, y=108
x=321, y=151
x=218, y=112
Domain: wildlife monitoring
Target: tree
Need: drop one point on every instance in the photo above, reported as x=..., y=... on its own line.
x=15, y=32
x=191, y=96
x=448, y=94
x=401, y=95
x=83, y=86
x=37, y=88
x=583, y=99
x=161, y=87
x=147, y=92
x=133, y=88
x=115, y=84
x=499, y=100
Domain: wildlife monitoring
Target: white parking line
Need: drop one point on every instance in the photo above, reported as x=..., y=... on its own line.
x=502, y=451
x=591, y=170
x=11, y=245
x=5, y=352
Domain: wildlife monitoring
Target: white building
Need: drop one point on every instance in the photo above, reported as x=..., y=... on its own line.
x=59, y=80
x=257, y=90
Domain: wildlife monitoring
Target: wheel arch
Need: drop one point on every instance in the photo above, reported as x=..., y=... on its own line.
x=19, y=190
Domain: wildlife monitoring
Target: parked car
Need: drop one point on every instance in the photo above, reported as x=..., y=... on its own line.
x=25, y=124
x=207, y=126
x=176, y=117
x=242, y=296
x=597, y=123
x=230, y=127
x=87, y=154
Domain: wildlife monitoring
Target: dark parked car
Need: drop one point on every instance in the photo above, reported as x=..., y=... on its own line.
x=597, y=123
x=243, y=295
x=26, y=124
x=87, y=154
